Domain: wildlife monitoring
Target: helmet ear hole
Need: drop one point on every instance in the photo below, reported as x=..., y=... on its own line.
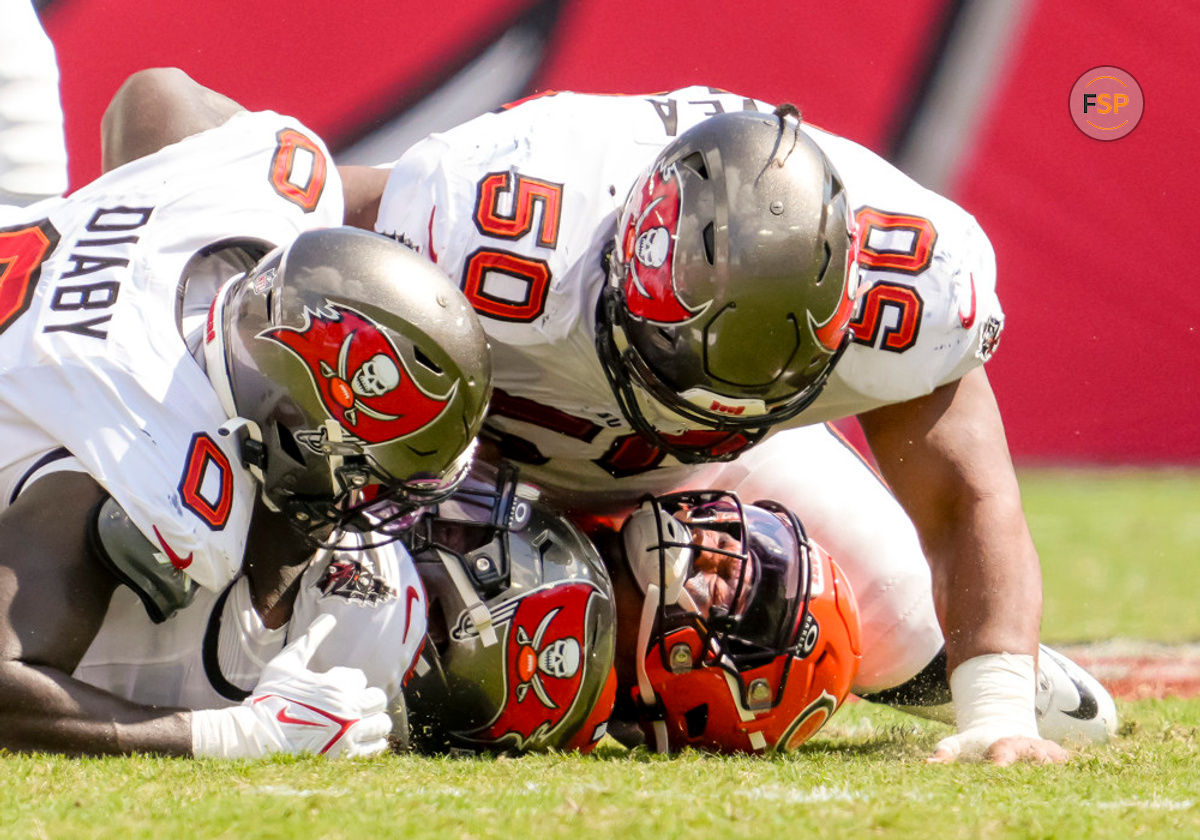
x=288, y=444
x=438, y=627
x=710, y=248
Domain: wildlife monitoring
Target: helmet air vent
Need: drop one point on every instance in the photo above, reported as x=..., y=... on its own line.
x=429, y=363
x=708, y=243
x=695, y=162
x=824, y=263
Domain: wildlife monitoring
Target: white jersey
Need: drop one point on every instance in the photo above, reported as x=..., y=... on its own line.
x=92, y=363
x=211, y=653
x=518, y=207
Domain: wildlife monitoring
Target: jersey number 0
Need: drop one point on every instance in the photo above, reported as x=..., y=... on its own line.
x=22, y=250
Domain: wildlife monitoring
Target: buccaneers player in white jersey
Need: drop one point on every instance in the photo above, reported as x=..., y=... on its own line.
x=202, y=374
x=668, y=279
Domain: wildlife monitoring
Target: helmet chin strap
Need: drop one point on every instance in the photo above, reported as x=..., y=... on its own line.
x=253, y=433
x=648, y=696
x=333, y=434
x=217, y=371
x=481, y=616
x=215, y=362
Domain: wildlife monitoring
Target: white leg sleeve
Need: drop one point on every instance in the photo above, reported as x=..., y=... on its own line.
x=33, y=154
x=847, y=509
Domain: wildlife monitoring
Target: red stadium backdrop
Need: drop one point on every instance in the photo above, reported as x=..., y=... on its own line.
x=1097, y=363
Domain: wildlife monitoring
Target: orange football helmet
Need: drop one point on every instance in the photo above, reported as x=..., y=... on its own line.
x=749, y=637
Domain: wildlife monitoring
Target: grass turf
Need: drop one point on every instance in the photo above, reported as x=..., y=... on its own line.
x=863, y=774
x=1117, y=552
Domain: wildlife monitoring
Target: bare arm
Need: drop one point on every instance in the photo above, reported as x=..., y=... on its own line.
x=154, y=108
x=53, y=596
x=363, y=186
x=946, y=457
x=162, y=105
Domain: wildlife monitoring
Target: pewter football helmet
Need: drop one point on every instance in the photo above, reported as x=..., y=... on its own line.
x=731, y=284
x=360, y=367
x=521, y=626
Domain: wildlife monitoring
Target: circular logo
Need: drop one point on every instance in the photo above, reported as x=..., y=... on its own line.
x=1106, y=103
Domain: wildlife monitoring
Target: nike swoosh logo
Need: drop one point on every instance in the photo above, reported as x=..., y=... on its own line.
x=968, y=318
x=283, y=717
x=178, y=562
x=410, y=596
x=1088, y=707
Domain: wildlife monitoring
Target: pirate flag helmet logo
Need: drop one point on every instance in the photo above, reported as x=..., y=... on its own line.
x=543, y=662
x=649, y=232
x=364, y=383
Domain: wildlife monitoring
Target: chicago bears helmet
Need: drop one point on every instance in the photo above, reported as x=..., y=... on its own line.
x=748, y=633
x=519, y=652
x=357, y=366
x=730, y=286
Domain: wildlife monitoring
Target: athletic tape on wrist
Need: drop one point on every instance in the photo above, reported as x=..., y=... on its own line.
x=995, y=692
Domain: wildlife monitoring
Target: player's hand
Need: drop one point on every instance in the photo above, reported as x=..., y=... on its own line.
x=982, y=745
x=293, y=709
x=333, y=713
x=993, y=704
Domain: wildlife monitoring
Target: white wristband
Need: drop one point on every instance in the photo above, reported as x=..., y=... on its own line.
x=993, y=699
x=229, y=733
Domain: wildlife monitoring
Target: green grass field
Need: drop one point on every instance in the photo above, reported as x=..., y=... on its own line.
x=1117, y=549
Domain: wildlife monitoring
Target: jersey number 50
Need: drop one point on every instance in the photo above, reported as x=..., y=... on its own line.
x=498, y=282
x=897, y=244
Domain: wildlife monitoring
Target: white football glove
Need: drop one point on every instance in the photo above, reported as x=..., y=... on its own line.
x=297, y=710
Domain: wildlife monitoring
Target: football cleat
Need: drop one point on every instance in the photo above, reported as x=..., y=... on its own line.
x=1072, y=707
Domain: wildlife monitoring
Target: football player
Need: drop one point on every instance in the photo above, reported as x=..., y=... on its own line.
x=735, y=631
x=201, y=376
x=668, y=280
x=359, y=615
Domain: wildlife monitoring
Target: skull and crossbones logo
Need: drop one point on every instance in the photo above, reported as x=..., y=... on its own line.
x=560, y=659
x=375, y=377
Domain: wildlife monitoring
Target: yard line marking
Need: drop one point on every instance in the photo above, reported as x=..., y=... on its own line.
x=1135, y=670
